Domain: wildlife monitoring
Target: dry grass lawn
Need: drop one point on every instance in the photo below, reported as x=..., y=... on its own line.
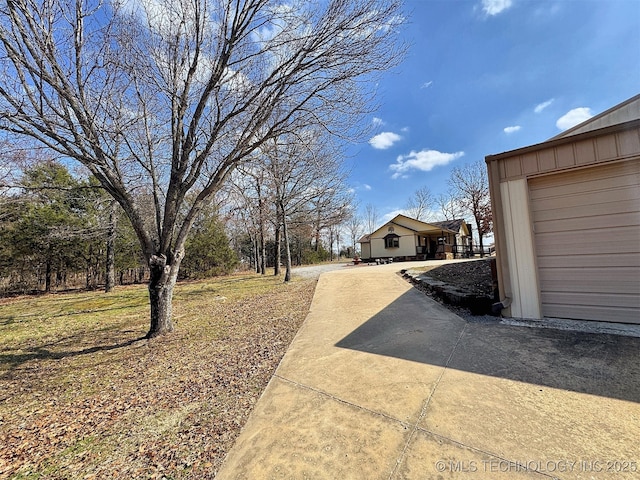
x=83, y=395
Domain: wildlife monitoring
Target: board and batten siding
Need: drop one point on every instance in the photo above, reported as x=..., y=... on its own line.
x=587, y=241
x=520, y=251
x=562, y=154
x=576, y=199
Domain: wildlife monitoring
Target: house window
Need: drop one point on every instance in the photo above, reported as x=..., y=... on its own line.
x=392, y=241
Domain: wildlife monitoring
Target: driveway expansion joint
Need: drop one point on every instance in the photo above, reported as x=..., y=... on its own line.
x=344, y=402
x=425, y=406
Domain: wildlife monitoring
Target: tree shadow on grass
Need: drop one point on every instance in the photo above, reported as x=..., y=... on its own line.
x=11, y=319
x=10, y=362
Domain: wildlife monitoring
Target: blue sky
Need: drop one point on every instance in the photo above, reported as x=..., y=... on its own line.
x=488, y=76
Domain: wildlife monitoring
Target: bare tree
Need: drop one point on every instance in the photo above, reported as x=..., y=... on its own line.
x=110, y=277
x=419, y=204
x=470, y=186
x=448, y=207
x=254, y=195
x=371, y=216
x=165, y=98
x=355, y=227
x=241, y=219
x=306, y=178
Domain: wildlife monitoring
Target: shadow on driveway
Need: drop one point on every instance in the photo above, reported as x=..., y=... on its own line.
x=595, y=364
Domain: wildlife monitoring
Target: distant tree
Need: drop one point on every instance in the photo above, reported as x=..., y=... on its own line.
x=240, y=221
x=112, y=232
x=38, y=184
x=162, y=100
x=129, y=261
x=355, y=228
x=371, y=216
x=420, y=204
x=470, y=187
x=306, y=180
x=49, y=224
x=253, y=203
x=448, y=207
x=209, y=252
x=329, y=204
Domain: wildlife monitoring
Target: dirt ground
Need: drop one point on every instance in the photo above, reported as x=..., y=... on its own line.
x=473, y=276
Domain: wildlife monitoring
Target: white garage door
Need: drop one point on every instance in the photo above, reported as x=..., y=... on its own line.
x=587, y=238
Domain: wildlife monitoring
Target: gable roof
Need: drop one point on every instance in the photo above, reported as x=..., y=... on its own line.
x=452, y=226
x=626, y=111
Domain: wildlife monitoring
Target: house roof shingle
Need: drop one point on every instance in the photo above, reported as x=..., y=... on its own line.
x=453, y=225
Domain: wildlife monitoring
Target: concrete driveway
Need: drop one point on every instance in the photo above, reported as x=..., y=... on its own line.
x=382, y=382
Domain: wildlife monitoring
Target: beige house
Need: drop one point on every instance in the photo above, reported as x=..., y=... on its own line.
x=405, y=238
x=567, y=221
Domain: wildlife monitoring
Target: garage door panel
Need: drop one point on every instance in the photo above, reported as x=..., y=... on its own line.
x=560, y=189
x=588, y=223
x=603, y=248
x=583, y=201
x=605, y=172
x=587, y=240
x=622, y=240
x=599, y=314
x=590, y=300
x=623, y=275
x=590, y=261
x=609, y=208
x=591, y=286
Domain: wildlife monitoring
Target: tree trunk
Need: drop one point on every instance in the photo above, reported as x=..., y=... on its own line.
x=161, y=283
x=111, y=251
x=263, y=252
x=277, y=253
x=317, y=238
x=331, y=245
x=480, y=239
x=87, y=274
x=47, y=277
x=256, y=249
x=287, y=247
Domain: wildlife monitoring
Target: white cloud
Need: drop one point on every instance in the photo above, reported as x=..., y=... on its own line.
x=384, y=140
x=377, y=122
x=541, y=106
x=366, y=187
x=393, y=213
x=426, y=84
x=424, y=160
x=494, y=7
x=512, y=129
x=574, y=117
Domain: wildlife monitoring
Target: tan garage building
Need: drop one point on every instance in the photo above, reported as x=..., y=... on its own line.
x=567, y=222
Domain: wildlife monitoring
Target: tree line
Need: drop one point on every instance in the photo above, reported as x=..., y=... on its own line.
x=60, y=229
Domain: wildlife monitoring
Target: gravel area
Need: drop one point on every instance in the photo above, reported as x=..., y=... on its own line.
x=314, y=271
